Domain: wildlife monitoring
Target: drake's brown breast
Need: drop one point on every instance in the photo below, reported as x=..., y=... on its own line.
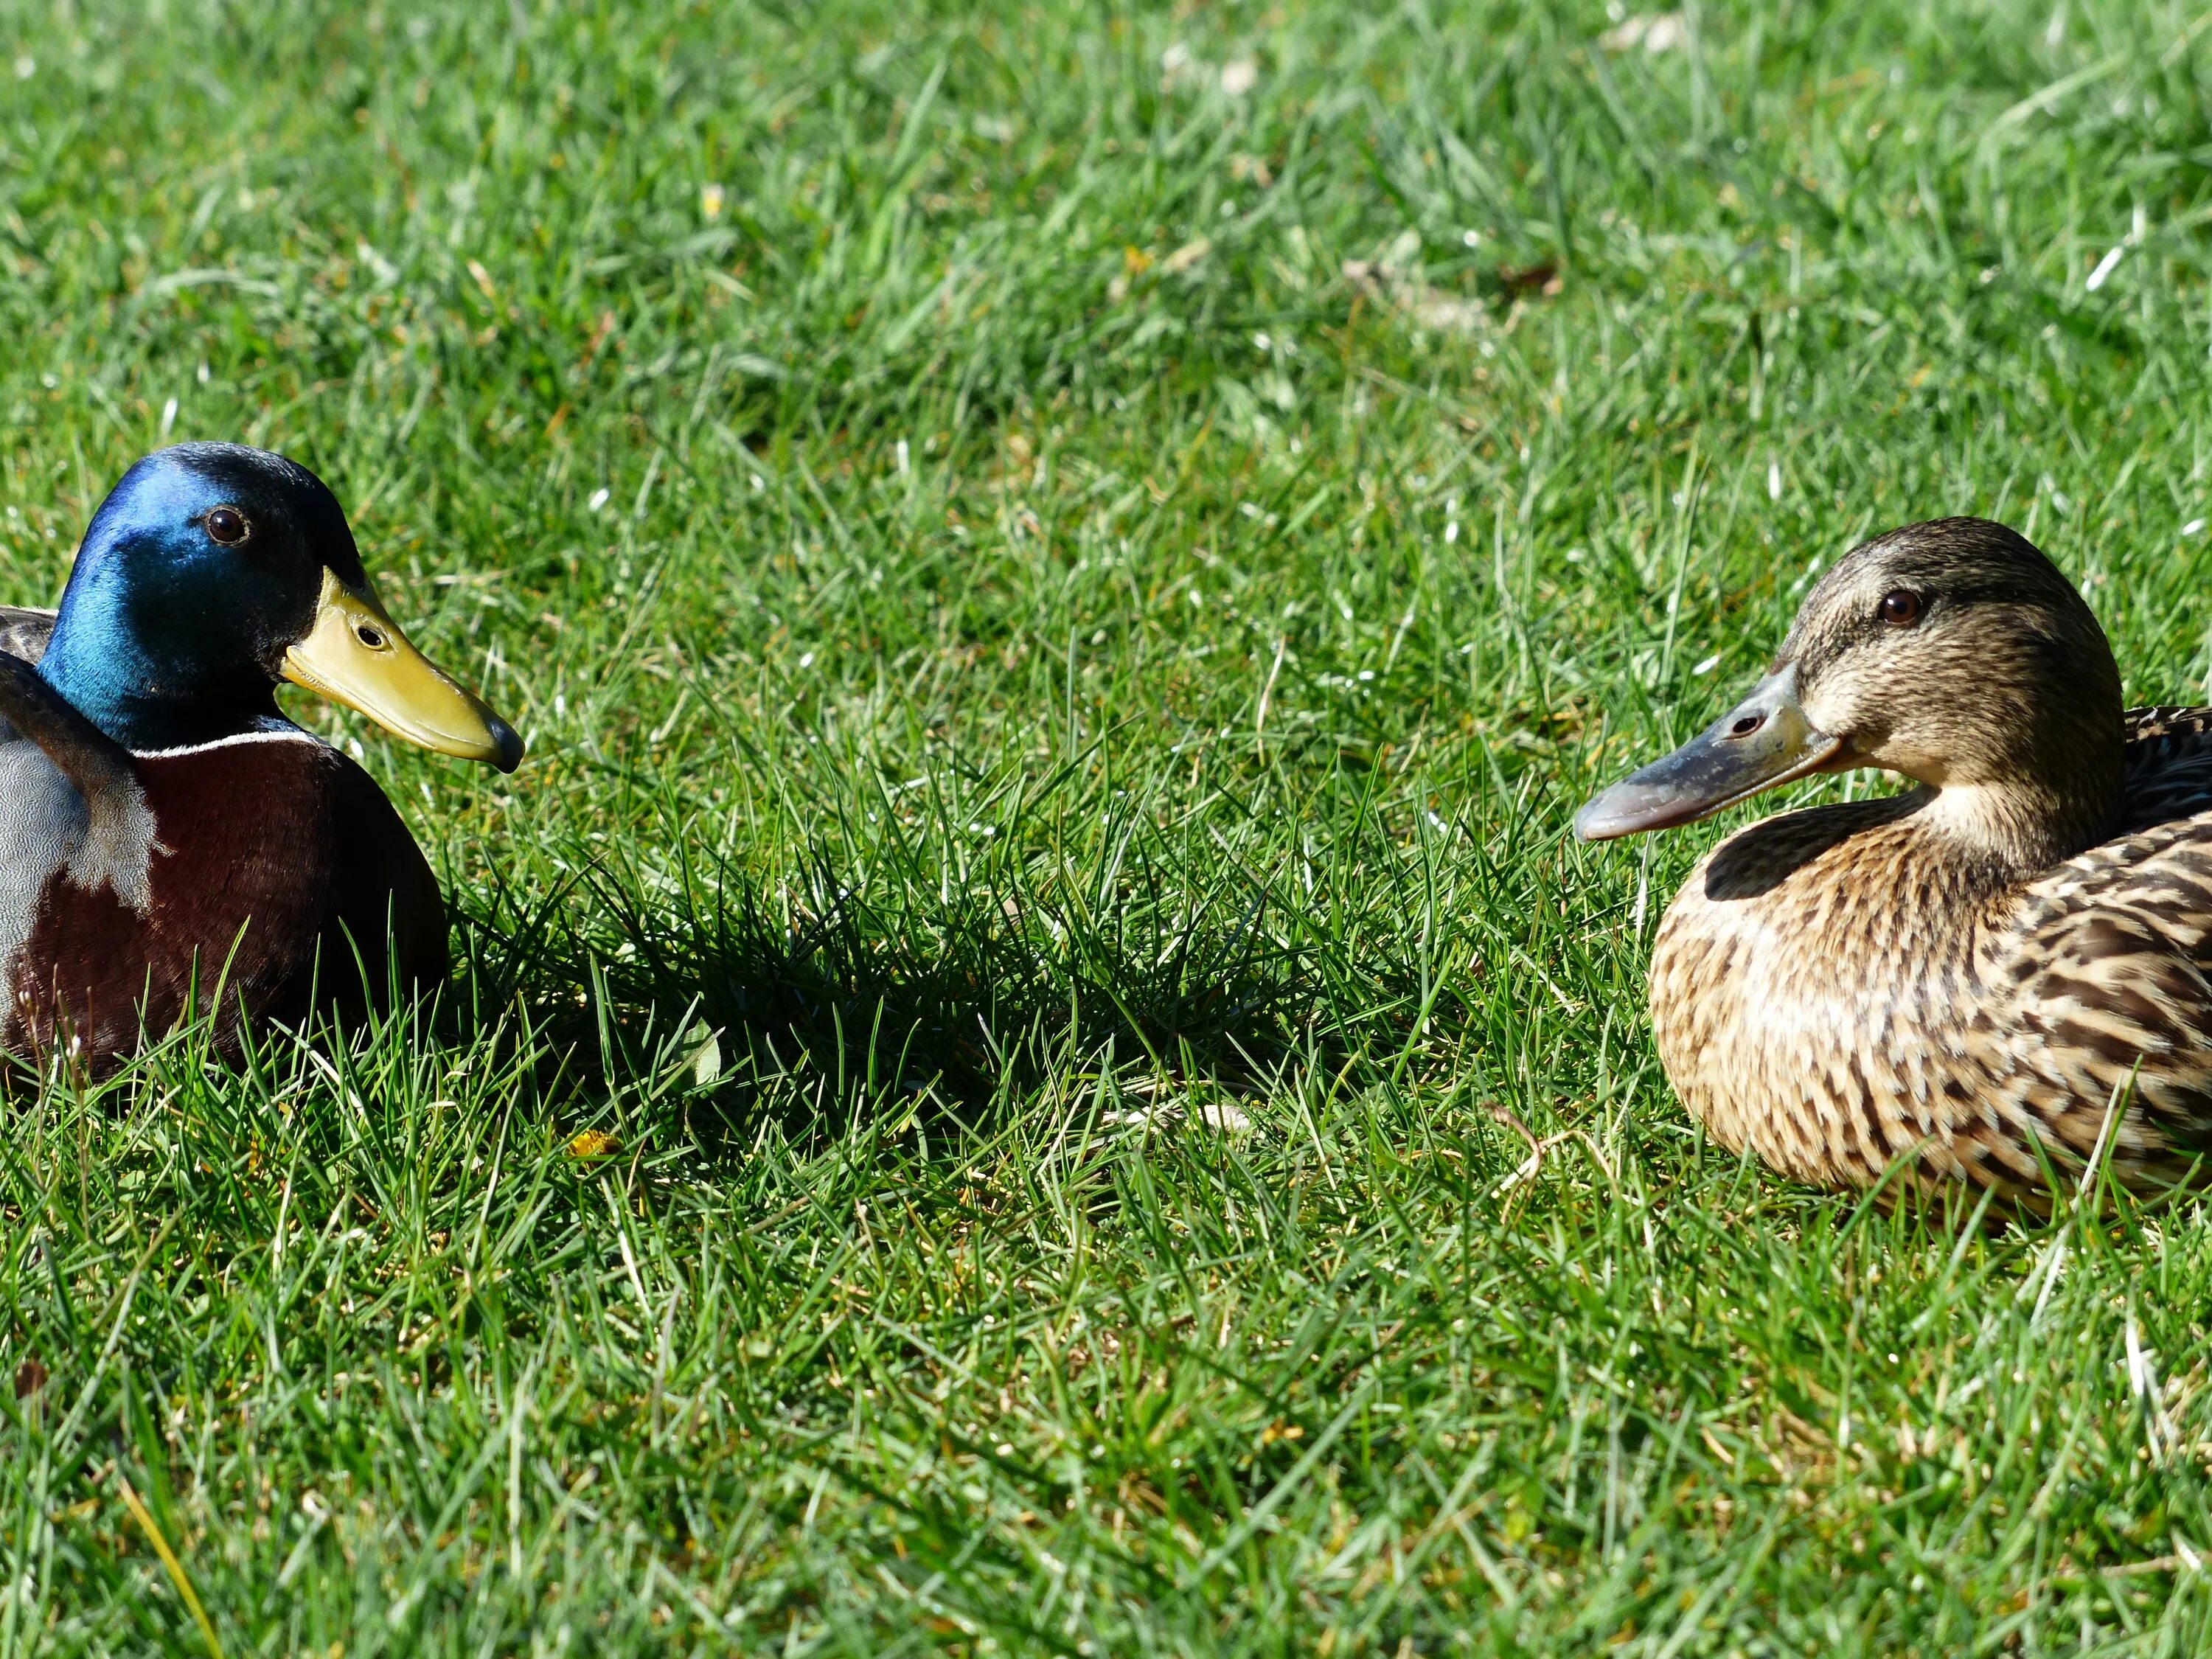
x=276, y=863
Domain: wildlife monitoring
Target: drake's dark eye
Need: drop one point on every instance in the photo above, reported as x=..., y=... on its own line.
x=1900, y=607
x=227, y=524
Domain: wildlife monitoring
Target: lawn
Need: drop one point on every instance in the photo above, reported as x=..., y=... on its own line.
x=1065, y=568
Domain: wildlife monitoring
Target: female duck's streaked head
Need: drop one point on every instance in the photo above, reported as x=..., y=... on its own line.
x=1952, y=652
x=213, y=571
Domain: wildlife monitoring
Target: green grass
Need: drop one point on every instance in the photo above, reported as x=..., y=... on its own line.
x=1081, y=698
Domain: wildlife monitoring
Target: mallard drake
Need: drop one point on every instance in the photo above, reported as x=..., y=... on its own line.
x=1999, y=973
x=169, y=840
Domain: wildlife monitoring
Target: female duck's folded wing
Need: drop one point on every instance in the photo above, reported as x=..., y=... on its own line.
x=24, y=632
x=116, y=843
x=2110, y=967
x=2169, y=764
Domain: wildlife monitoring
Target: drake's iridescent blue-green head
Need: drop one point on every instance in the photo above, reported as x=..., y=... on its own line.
x=212, y=572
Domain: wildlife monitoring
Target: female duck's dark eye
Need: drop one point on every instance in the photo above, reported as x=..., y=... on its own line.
x=225, y=524
x=1901, y=608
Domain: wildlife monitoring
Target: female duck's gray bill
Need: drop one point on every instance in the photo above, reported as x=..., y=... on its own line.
x=1763, y=741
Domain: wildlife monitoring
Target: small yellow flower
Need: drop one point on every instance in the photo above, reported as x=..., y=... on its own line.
x=594, y=1143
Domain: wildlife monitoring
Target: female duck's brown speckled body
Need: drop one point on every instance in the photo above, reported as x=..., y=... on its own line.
x=1980, y=977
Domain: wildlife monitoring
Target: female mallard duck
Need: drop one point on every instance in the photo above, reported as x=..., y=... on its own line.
x=166, y=837
x=1997, y=969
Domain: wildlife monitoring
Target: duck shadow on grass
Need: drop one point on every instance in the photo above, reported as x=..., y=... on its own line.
x=864, y=1005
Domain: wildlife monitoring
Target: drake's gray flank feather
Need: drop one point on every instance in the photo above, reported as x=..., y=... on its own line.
x=24, y=631
x=70, y=803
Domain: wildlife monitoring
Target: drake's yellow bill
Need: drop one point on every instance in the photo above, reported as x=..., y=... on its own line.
x=357, y=655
